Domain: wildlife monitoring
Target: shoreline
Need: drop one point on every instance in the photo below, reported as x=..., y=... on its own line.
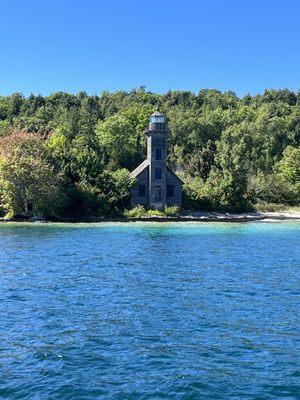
x=197, y=216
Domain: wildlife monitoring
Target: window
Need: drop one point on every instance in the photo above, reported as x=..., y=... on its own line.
x=157, y=119
x=158, y=153
x=157, y=193
x=157, y=173
x=170, y=190
x=142, y=190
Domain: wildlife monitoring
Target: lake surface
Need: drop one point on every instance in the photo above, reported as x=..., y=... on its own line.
x=149, y=311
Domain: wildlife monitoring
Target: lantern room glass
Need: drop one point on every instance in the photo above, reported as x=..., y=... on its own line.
x=157, y=119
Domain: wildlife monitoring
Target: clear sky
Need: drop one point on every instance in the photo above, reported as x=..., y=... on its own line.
x=96, y=45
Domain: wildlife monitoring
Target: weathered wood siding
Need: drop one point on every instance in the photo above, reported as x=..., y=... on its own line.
x=153, y=172
x=142, y=178
x=177, y=199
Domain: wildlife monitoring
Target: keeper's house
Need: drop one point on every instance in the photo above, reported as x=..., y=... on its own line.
x=156, y=185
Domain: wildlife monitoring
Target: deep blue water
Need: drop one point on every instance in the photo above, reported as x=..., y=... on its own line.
x=149, y=311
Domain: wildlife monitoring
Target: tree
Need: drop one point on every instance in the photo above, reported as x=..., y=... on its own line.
x=28, y=184
x=229, y=150
x=227, y=182
x=122, y=137
x=288, y=170
x=289, y=166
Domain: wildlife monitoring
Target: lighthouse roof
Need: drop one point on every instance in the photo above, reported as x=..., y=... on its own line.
x=157, y=114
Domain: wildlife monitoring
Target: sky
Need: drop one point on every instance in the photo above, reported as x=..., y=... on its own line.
x=93, y=45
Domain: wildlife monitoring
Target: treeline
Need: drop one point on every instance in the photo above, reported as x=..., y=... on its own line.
x=69, y=155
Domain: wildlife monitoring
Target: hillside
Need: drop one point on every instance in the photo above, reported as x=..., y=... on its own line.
x=69, y=155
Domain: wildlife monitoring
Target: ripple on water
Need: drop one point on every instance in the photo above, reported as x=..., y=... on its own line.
x=149, y=311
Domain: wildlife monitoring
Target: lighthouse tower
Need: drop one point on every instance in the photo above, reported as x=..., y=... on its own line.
x=157, y=155
x=156, y=185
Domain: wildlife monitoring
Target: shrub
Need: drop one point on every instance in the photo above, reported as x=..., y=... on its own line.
x=171, y=211
x=139, y=212
x=136, y=212
x=155, y=213
x=269, y=207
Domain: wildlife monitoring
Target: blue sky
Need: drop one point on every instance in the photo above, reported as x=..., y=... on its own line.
x=70, y=45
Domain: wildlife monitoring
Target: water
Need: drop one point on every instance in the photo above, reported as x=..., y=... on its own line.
x=149, y=311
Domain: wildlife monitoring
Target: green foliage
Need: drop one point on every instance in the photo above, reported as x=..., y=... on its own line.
x=140, y=212
x=122, y=137
x=231, y=152
x=116, y=188
x=28, y=184
x=154, y=213
x=270, y=207
x=268, y=188
x=193, y=196
x=171, y=211
x=288, y=168
x=135, y=212
x=282, y=185
x=109, y=195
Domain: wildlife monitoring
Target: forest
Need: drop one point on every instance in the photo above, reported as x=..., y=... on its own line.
x=69, y=156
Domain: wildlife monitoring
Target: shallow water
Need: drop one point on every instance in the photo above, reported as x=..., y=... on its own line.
x=149, y=311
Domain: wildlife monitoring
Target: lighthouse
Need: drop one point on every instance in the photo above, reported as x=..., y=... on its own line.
x=156, y=184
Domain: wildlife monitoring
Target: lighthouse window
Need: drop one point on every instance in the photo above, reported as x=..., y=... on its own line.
x=156, y=119
x=142, y=190
x=170, y=190
x=158, y=153
x=157, y=173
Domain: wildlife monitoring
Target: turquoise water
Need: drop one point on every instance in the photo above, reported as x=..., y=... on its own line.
x=149, y=311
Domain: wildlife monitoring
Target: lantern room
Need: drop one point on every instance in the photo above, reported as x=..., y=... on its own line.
x=157, y=118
